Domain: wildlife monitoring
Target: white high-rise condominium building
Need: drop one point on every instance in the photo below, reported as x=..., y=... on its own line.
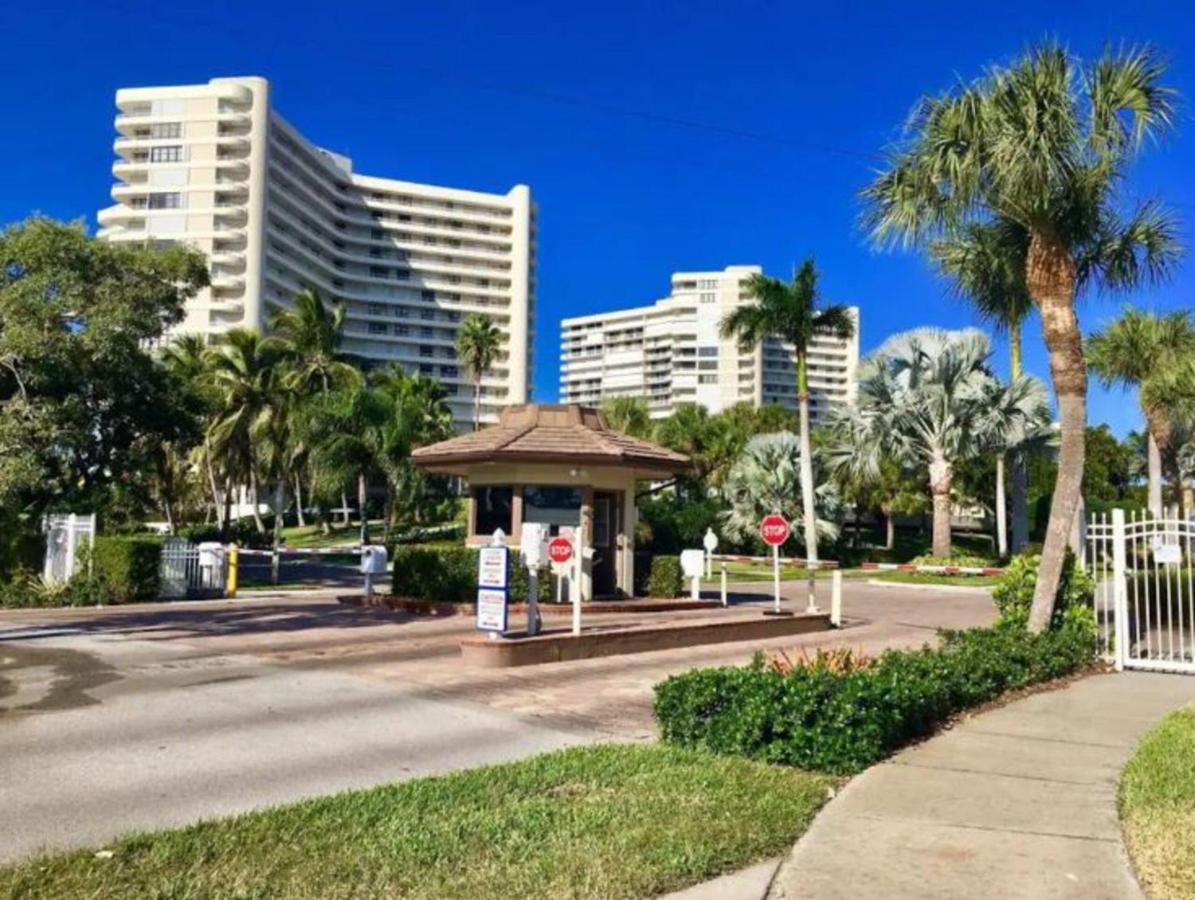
x=213, y=165
x=671, y=352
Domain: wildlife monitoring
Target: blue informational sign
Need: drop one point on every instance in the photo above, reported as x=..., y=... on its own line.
x=492, y=590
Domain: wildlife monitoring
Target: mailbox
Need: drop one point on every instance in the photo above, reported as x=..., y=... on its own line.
x=373, y=560
x=211, y=554
x=692, y=563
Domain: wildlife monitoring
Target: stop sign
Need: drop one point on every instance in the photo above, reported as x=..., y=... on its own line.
x=560, y=550
x=774, y=529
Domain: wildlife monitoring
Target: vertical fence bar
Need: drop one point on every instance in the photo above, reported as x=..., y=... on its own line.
x=1119, y=598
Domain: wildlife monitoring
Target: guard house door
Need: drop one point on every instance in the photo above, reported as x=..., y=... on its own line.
x=605, y=544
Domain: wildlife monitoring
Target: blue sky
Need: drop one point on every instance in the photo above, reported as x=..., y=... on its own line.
x=588, y=103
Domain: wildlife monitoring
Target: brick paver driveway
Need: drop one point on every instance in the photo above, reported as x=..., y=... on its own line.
x=139, y=717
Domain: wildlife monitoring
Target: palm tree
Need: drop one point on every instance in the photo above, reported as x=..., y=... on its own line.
x=477, y=345
x=188, y=357
x=349, y=430
x=790, y=313
x=922, y=400
x=245, y=375
x=1135, y=349
x=766, y=479
x=1044, y=142
x=307, y=336
x=627, y=415
x=985, y=263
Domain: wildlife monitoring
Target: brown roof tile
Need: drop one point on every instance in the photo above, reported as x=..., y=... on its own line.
x=540, y=432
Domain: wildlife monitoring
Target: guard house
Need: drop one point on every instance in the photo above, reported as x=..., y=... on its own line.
x=559, y=465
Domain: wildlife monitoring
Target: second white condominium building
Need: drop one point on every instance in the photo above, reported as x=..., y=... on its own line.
x=671, y=352
x=215, y=166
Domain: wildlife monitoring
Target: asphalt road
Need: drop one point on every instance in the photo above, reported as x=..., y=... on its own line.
x=133, y=718
x=106, y=732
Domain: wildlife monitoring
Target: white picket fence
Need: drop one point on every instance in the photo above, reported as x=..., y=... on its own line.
x=1145, y=589
x=192, y=571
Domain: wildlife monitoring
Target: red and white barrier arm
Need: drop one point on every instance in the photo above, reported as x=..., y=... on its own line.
x=302, y=551
x=786, y=560
x=933, y=570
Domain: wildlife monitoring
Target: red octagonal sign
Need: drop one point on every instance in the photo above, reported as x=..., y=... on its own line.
x=560, y=550
x=774, y=530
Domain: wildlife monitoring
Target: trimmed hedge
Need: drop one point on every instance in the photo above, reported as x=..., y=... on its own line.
x=817, y=718
x=449, y=575
x=128, y=567
x=666, y=579
x=1013, y=594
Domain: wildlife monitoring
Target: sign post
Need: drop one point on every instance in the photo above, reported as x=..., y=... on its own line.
x=533, y=543
x=774, y=530
x=492, y=605
x=710, y=542
x=560, y=551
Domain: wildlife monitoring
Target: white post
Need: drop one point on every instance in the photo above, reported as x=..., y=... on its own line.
x=695, y=588
x=368, y=588
x=72, y=530
x=836, y=598
x=533, y=620
x=1120, y=600
x=724, y=584
x=575, y=583
x=90, y=542
x=776, y=575
x=709, y=564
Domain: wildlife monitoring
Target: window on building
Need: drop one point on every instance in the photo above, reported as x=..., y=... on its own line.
x=165, y=201
x=552, y=505
x=425, y=331
x=402, y=275
x=492, y=509
x=166, y=154
x=166, y=130
x=426, y=368
x=427, y=351
x=707, y=351
x=377, y=327
x=377, y=309
x=402, y=330
x=379, y=272
x=429, y=296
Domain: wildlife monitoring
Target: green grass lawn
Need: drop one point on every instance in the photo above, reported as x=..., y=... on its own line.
x=930, y=578
x=312, y=536
x=1157, y=808
x=596, y=822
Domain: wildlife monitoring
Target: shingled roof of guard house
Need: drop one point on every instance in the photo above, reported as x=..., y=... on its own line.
x=547, y=433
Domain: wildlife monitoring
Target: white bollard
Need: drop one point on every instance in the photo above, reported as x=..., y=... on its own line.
x=836, y=598
x=695, y=589
x=724, y=603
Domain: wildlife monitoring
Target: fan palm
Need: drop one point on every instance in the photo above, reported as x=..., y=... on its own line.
x=922, y=400
x=766, y=479
x=307, y=337
x=790, y=313
x=1045, y=143
x=985, y=263
x=1136, y=349
x=477, y=345
x=188, y=358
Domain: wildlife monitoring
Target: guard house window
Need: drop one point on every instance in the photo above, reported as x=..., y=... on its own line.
x=492, y=507
x=165, y=154
x=554, y=506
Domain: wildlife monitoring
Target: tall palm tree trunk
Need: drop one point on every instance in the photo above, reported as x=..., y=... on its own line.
x=808, y=508
x=889, y=529
x=1050, y=275
x=1018, y=473
x=253, y=489
x=217, y=497
x=477, y=404
x=1153, y=457
x=279, y=506
x=299, y=517
x=344, y=508
x=940, y=477
x=361, y=508
x=1001, y=511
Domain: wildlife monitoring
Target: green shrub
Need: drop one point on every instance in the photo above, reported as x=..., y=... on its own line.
x=665, y=579
x=841, y=722
x=127, y=566
x=964, y=560
x=1014, y=592
x=449, y=575
x=242, y=532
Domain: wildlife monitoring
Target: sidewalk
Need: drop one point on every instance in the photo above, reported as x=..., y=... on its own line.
x=1019, y=802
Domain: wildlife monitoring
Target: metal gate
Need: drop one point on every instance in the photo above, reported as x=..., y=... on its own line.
x=190, y=571
x=1145, y=589
x=65, y=535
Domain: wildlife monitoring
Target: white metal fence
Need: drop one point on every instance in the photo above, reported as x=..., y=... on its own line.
x=65, y=535
x=1145, y=589
x=190, y=571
